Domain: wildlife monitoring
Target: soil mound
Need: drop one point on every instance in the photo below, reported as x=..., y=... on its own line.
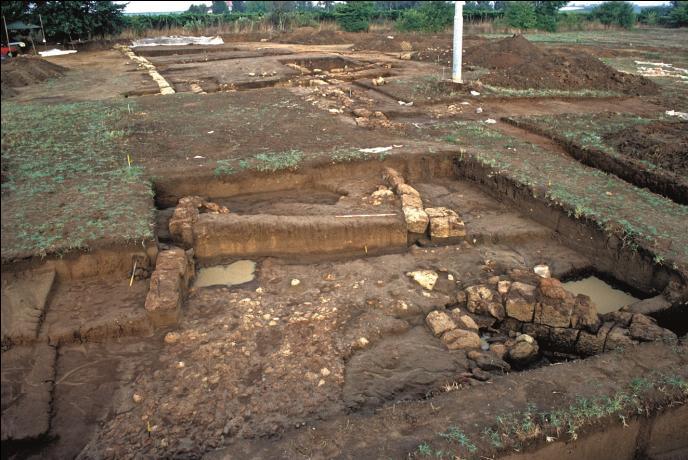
x=662, y=143
x=27, y=70
x=516, y=63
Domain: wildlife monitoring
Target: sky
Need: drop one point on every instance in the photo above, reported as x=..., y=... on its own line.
x=158, y=7
x=166, y=7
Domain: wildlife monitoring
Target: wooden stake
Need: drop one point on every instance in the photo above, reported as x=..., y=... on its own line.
x=133, y=272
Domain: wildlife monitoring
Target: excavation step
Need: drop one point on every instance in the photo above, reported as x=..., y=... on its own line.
x=28, y=378
x=24, y=297
x=231, y=235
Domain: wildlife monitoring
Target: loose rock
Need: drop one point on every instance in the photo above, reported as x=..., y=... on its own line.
x=459, y=339
x=439, y=322
x=426, y=278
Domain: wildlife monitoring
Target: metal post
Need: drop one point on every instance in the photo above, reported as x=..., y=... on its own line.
x=7, y=34
x=458, y=42
x=45, y=43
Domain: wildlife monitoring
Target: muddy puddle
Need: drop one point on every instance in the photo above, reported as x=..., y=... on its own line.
x=239, y=272
x=606, y=298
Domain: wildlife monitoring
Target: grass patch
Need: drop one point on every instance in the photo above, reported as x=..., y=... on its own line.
x=68, y=182
x=511, y=92
x=290, y=160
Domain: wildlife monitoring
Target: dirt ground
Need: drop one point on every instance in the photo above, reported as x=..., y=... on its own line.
x=663, y=144
x=27, y=71
x=331, y=354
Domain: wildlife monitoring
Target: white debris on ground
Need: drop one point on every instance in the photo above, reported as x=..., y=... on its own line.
x=661, y=69
x=377, y=149
x=177, y=40
x=680, y=115
x=55, y=52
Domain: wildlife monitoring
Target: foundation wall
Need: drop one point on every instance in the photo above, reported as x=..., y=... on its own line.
x=228, y=235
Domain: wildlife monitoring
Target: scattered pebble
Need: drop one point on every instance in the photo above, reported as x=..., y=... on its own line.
x=137, y=398
x=295, y=282
x=542, y=271
x=172, y=337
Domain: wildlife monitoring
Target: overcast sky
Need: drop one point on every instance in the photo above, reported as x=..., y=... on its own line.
x=158, y=7
x=165, y=7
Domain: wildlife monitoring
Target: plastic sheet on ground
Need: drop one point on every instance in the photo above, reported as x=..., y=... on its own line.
x=55, y=52
x=178, y=41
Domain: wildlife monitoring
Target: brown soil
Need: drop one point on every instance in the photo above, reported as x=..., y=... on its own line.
x=663, y=143
x=276, y=369
x=28, y=70
x=517, y=63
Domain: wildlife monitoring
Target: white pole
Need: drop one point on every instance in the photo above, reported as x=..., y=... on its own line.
x=458, y=41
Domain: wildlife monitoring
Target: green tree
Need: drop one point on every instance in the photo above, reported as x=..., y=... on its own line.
x=197, y=9
x=678, y=16
x=79, y=19
x=326, y=5
x=520, y=15
x=256, y=7
x=14, y=11
x=219, y=7
x=238, y=6
x=354, y=16
x=615, y=13
x=547, y=13
x=400, y=5
x=430, y=17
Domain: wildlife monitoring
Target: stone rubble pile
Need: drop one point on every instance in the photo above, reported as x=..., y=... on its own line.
x=520, y=313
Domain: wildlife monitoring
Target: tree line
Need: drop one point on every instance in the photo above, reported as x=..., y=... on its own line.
x=93, y=19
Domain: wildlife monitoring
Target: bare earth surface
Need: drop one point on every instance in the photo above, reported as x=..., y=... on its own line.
x=338, y=347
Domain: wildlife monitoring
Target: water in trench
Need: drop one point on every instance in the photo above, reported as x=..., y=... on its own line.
x=239, y=272
x=605, y=297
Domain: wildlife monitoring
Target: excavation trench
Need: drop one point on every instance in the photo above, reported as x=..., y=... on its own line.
x=313, y=286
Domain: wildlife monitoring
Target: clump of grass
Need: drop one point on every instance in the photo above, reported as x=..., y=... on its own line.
x=223, y=168
x=455, y=435
x=277, y=161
